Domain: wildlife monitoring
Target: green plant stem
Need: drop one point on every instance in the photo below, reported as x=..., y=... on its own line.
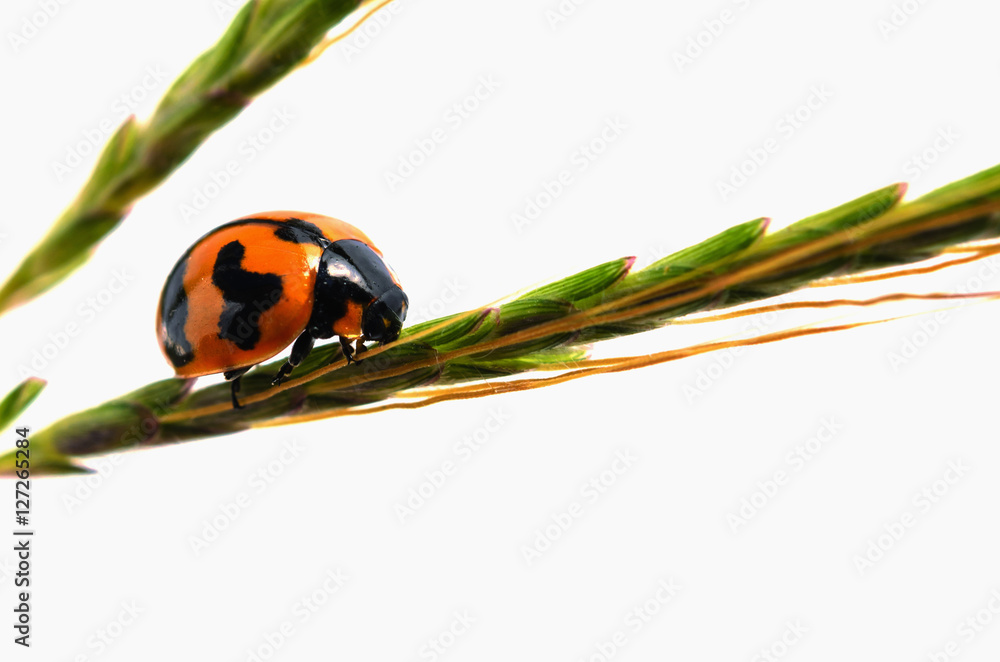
x=549, y=327
x=264, y=42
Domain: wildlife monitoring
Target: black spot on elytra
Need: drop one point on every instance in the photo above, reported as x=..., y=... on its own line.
x=174, y=314
x=300, y=232
x=246, y=295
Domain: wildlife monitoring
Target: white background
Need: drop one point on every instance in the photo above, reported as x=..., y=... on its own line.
x=127, y=536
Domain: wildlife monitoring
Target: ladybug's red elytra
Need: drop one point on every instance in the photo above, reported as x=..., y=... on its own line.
x=249, y=288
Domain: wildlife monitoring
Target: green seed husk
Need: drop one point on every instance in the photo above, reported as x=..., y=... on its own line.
x=264, y=42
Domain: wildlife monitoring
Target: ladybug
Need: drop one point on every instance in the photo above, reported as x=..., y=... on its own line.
x=249, y=288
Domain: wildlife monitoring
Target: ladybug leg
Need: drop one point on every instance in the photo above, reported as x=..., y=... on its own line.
x=300, y=350
x=359, y=349
x=345, y=345
x=234, y=376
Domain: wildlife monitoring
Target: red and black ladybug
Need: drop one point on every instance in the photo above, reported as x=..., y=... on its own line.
x=249, y=288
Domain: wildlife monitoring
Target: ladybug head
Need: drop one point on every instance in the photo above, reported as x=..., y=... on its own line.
x=383, y=319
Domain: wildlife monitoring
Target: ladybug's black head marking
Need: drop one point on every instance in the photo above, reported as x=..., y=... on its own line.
x=383, y=319
x=350, y=271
